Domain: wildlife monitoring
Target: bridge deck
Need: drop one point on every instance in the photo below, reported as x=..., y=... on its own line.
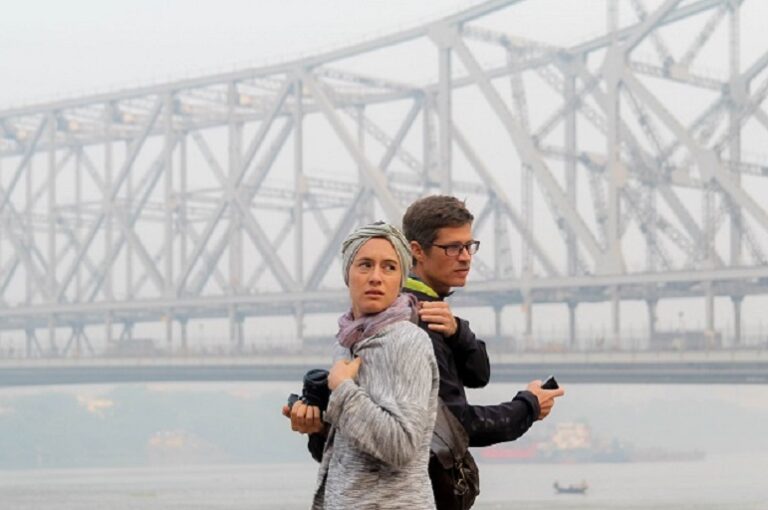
x=705, y=367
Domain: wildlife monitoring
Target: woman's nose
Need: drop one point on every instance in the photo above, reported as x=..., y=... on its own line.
x=375, y=275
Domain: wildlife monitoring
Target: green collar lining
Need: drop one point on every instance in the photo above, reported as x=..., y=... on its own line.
x=419, y=286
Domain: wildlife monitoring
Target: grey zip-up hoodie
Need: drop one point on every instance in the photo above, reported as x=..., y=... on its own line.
x=377, y=450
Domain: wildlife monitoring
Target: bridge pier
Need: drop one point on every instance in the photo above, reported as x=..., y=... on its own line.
x=737, y=302
x=168, y=320
x=652, y=318
x=108, y=328
x=528, y=311
x=31, y=342
x=709, y=313
x=572, y=324
x=299, y=317
x=236, y=329
x=183, y=326
x=52, y=347
x=615, y=318
x=497, y=309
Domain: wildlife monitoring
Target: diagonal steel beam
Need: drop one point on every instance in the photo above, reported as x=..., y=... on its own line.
x=127, y=225
x=264, y=127
x=253, y=147
x=707, y=160
x=640, y=32
x=704, y=35
x=133, y=152
x=756, y=68
x=252, y=227
x=276, y=244
x=495, y=188
x=331, y=248
x=666, y=191
x=529, y=154
x=25, y=253
x=249, y=189
x=6, y=273
x=658, y=42
x=74, y=243
x=29, y=150
x=375, y=177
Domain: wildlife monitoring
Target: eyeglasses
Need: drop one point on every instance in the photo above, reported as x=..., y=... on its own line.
x=453, y=250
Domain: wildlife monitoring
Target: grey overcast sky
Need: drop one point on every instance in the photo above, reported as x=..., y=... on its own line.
x=51, y=49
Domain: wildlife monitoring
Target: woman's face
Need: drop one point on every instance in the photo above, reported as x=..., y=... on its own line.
x=374, y=277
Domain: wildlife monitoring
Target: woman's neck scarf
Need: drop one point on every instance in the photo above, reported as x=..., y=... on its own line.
x=352, y=330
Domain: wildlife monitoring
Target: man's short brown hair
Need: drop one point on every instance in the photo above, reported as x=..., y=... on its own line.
x=427, y=215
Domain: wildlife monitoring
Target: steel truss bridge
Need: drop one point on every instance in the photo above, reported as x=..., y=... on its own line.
x=603, y=170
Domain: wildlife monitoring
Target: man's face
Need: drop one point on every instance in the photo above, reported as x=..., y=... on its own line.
x=439, y=270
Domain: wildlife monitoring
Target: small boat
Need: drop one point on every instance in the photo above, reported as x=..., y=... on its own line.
x=571, y=489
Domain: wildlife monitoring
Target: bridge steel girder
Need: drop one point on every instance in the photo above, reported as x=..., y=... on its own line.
x=209, y=242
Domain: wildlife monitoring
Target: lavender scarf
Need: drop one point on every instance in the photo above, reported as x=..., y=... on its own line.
x=351, y=331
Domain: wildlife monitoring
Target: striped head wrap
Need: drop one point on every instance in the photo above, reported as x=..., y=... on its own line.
x=361, y=235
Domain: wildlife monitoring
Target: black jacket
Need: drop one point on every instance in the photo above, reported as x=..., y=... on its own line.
x=463, y=362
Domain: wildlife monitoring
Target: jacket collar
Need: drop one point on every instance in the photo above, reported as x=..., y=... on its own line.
x=413, y=283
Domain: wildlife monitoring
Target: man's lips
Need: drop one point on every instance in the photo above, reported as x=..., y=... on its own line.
x=374, y=293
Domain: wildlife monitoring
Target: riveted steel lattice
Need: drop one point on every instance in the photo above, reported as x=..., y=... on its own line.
x=607, y=169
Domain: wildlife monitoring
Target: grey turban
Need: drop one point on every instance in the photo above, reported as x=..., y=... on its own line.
x=361, y=235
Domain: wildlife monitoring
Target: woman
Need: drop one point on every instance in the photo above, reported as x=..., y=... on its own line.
x=383, y=385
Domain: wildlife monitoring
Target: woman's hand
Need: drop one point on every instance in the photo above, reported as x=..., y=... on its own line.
x=304, y=419
x=343, y=370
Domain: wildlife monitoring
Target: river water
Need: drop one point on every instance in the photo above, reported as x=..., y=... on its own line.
x=225, y=446
x=722, y=482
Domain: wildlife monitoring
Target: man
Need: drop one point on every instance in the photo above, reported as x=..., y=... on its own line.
x=439, y=229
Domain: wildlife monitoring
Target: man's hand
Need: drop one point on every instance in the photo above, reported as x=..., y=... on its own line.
x=438, y=316
x=343, y=370
x=546, y=397
x=304, y=419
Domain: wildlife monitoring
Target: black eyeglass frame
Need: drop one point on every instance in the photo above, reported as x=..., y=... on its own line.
x=471, y=248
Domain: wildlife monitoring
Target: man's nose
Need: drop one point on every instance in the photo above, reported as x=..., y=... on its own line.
x=464, y=254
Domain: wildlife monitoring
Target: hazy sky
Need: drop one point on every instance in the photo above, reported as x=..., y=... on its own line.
x=50, y=49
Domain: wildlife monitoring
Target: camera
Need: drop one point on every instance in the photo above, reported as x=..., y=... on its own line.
x=315, y=391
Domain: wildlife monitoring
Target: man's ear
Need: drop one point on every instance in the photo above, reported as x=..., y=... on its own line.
x=417, y=251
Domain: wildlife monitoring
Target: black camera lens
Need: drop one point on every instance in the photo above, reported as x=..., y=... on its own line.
x=315, y=391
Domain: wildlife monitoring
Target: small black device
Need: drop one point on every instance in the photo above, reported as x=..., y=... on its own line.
x=550, y=383
x=315, y=391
